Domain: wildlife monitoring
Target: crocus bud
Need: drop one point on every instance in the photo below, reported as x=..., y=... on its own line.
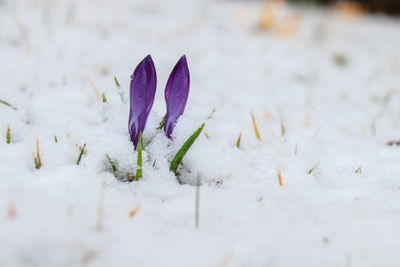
x=176, y=94
x=142, y=93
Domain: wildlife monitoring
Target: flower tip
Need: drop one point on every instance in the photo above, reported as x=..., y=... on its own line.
x=182, y=68
x=148, y=58
x=183, y=58
x=147, y=62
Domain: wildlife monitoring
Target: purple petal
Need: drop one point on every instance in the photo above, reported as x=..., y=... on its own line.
x=142, y=93
x=176, y=94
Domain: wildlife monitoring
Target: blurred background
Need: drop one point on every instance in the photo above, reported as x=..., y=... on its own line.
x=322, y=79
x=391, y=7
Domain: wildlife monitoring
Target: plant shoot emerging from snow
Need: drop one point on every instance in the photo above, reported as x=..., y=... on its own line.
x=142, y=92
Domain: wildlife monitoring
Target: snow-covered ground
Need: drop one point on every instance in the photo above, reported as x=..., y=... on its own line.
x=333, y=84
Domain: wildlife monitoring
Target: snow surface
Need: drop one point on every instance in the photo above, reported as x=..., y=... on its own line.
x=334, y=85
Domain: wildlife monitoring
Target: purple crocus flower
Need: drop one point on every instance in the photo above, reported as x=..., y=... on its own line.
x=142, y=92
x=176, y=94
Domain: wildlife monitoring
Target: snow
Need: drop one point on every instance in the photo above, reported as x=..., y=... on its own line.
x=337, y=117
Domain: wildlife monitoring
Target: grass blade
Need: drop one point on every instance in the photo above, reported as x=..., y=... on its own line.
x=38, y=154
x=8, y=135
x=7, y=104
x=186, y=146
x=212, y=113
x=114, y=169
x=161, y=125
x=116, y=82
x=36, y=158
x=359, y=170
x=280, y=178
x=238, y=140
x=80, y=154
x=121, y=94
x=255, y=127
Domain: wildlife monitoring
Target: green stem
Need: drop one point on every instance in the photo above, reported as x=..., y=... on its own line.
x=139, y=158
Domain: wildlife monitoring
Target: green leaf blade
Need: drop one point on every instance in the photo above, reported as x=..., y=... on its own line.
x=161, y=124
x=184, y=149
x=114, y=169
x=117, y=82
x=80, y=155
x=8, y=135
